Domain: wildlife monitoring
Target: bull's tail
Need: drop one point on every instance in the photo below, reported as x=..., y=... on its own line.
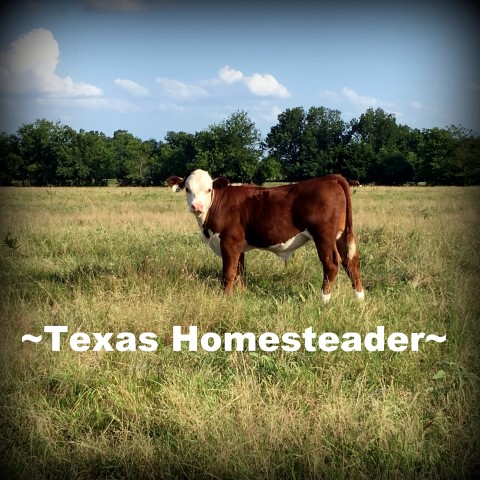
x=350, y=258
x=351, y=244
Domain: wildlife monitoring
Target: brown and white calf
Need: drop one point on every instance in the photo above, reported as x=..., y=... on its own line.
x=234, y=219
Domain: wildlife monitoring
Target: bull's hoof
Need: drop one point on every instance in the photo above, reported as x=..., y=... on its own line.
x=360, y=295
x=326, y=297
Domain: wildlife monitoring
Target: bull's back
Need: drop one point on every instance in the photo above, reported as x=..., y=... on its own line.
x=319, y=200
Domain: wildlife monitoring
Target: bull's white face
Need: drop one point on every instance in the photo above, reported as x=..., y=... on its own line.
x=199, y=190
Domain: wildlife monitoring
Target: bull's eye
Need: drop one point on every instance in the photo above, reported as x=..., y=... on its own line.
x=209, y=190
x=188, y=190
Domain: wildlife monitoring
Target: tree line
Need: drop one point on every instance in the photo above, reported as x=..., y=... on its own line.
x=303, y=144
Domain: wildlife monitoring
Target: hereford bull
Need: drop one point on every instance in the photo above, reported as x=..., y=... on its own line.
x=236, y=218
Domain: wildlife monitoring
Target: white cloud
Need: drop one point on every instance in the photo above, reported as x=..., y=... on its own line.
x=90, y=103
x=328, y=94
x=229, y=75
x=170, y=107
x=266, y=85
x=417, y=105
x=176, y=89
x=260, y=84
x=132, y=87
x=359, y=100
x=29, y=65
x=363, y=102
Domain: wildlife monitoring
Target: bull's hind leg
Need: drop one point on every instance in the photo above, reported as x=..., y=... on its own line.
x=347, y=249
x=327, y=253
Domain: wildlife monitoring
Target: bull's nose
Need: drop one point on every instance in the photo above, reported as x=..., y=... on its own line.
x=195, y=209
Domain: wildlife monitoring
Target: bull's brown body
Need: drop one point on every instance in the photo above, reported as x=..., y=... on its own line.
x=279, y=219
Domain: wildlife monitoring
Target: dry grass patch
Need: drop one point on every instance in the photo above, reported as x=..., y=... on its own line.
x=115, y=259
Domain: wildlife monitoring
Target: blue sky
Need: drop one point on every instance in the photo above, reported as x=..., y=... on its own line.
x=153, y=66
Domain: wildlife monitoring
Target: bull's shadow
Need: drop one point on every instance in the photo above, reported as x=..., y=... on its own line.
x=261, y=282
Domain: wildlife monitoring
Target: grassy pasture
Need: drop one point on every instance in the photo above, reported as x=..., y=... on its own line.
x=124, y=259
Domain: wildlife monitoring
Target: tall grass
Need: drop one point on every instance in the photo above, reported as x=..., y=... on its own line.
x=116, y=260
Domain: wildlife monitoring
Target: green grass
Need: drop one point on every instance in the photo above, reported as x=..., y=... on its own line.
x=122, y=259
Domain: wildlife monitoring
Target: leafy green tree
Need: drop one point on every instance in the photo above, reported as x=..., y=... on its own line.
x=357, y=156
x=394, y=167
x=171, y=157
x=12, y=165
x=301, y=145
x=231, y=148
x=285, y=141
x=308, y=144
x=154, y=176
x=437, y=157
x=269, y=170
x=71, y=168
x=243, y=142
x=95, y=154
x=324, y=139
x=130, y=156
x=38, y=148
x=179, y=153
x=408, y=143
x=466, y=155
x=377, y=128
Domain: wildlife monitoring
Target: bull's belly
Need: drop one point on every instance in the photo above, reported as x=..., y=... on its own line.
x=283, y=250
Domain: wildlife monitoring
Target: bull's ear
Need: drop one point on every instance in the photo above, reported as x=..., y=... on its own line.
x=220, y=182
x=176, y=183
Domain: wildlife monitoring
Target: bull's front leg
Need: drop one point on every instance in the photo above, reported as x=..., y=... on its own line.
x=241, y=271
x=231, y=249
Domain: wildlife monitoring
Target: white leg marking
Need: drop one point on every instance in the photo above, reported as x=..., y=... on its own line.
x=360, y=295
x=352, y=249
x=325, y=297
